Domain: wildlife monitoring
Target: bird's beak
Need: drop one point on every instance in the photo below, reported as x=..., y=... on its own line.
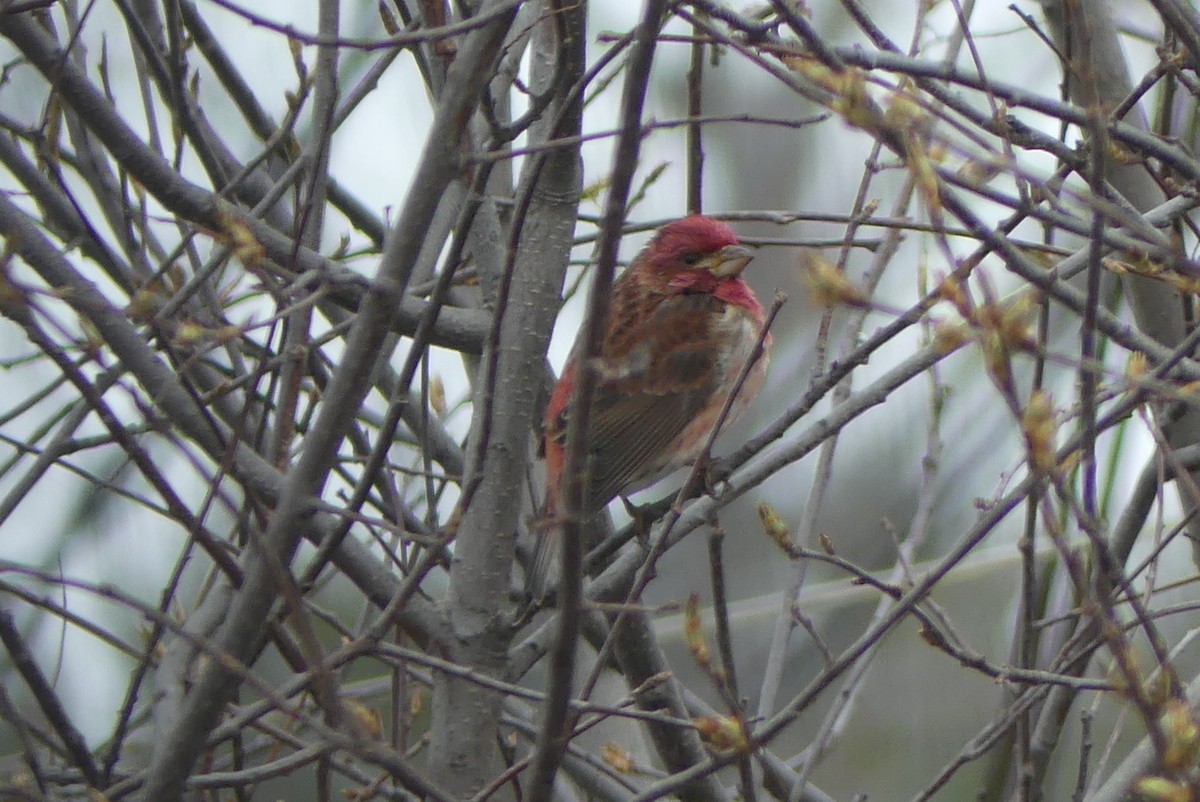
x=730, y=261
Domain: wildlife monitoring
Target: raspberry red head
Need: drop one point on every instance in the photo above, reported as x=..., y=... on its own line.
x=696, y=235
x=695, y=255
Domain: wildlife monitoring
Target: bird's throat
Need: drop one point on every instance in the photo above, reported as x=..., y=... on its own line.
x=731, y=289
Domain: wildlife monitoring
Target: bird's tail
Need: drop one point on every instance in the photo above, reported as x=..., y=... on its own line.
x=544, y=570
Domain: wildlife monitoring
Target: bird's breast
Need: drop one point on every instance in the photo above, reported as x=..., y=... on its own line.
x=733, y=332
x=737, y=329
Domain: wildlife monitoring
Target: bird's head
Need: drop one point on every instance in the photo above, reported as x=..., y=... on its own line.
x=697, y=249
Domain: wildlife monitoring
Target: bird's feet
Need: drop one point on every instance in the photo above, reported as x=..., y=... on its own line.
x=716, y=476
x=642, y=517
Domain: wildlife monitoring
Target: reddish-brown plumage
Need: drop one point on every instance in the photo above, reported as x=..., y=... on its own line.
x=681, y=327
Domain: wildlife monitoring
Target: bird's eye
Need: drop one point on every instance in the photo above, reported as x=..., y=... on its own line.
x=691, y=257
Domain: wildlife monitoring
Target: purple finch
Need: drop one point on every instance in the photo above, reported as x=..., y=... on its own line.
x=681, y=327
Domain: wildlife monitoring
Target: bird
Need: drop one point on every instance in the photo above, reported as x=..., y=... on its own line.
x=682, y=325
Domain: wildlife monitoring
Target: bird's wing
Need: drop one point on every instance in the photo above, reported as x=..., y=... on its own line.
x=634, y=433
x=656, y=378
